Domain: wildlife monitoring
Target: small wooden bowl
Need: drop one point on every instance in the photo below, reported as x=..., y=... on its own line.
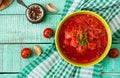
x=5, y=3
x=1, y=2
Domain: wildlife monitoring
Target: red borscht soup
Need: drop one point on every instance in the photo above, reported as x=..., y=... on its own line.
x=82, y=38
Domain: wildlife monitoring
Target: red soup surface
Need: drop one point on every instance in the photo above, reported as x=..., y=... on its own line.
x=82, y=38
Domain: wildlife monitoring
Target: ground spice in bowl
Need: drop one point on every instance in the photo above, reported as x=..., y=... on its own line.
x=35, y=13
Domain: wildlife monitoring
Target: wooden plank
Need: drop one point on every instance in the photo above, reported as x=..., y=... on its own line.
x=109, y=76
x=12, y=60
x=17, y=29
x=1, y=57
x=7, y=58
x=15, y=8
x=110, y=64
x=8, y=75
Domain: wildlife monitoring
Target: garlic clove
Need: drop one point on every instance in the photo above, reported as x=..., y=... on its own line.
x=37, y=50
x=51, y=8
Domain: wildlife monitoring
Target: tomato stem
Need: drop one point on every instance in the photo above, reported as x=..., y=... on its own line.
x=49, y=34
x=112, y=53
x=28, y=55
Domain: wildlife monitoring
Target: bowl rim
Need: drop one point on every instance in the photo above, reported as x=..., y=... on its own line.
x=109, y=34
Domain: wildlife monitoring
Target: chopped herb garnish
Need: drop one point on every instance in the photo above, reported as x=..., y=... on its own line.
x=83, y=40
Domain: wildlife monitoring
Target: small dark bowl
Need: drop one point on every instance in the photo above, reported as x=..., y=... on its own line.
x=35, y=13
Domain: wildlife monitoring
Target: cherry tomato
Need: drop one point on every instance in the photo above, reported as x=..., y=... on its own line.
x=26, y=52
x=48, y=33
x=113, y=53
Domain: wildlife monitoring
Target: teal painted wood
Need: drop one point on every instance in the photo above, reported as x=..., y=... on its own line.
x=17, y=29
x=15, y=8
x=14, y=28
x=8, y=75
x=110, y=76
x=1, y=58
x=11, y=60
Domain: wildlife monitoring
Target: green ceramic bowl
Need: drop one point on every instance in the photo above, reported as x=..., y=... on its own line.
x=106, y=49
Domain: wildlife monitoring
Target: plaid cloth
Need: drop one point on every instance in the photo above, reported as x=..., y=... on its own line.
x=51, y=65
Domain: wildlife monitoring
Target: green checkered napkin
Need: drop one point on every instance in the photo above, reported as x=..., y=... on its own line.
x=51, y=65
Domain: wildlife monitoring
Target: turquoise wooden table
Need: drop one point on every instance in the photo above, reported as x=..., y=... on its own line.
x=16, y=32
